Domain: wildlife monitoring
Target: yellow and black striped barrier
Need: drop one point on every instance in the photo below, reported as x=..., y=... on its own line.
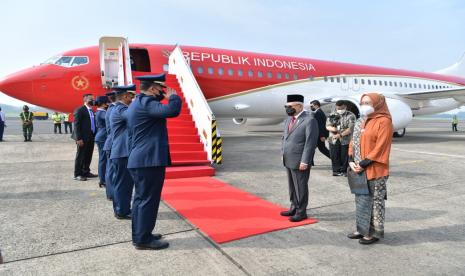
x=217, y=142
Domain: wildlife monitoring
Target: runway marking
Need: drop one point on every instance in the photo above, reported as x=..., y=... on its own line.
x=431, y=153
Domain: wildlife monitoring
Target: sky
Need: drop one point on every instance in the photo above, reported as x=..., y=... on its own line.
x=422, y=35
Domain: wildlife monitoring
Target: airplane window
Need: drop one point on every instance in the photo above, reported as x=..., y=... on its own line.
x=269, y=75
x=400, y=84
x=363, y=81
x=230, y=72
x=385, y=83
x=210, y=70
x=51, y=60
x=390, y=83
x=405, y=84
x=338, y=79
x=437, y=87
x=356, y=81
x=331, y=79
x=414, y=85
x=79, y=61
x=240, y=73
x=64, y=61
x=279, y=75
x=250, y=73
x=410, y=85
x=311, y=78
x=344, y=80
x=200, y=70
x=326, y=79
x=369, y=82
x=395, y=83
x=286, y=76
x=260, y=74
x=220, y=71
x=380, y=83
x=375, y=82
x=297, y=77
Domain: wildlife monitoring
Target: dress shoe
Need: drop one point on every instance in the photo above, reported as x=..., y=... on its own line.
x=101, y=185
x=91, y=175
x=366, y=241
x=354, y=236
x=297, y=218
x=123, y=217
x=153, y=245
x=337, y=174
x=157, y=236
x=288, y=213
x=80, y=178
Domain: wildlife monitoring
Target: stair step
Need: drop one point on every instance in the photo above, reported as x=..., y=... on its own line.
x=182, y=131
x=174, y=147
x=180, y=124
x=183, y=138
x=177, y=163
x=188, y=155
x=189, y=171
x=182, y=117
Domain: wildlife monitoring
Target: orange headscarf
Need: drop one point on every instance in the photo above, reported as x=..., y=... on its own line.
x=379, y=104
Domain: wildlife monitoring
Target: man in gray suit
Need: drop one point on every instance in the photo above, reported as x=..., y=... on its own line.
x=298, y=148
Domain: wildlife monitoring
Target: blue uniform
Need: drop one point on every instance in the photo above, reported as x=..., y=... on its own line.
x=100, y=139
x=148, y=158
x=109, y=172
x=123, y=183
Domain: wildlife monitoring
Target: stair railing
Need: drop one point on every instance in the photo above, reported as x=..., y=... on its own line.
x=198, y=105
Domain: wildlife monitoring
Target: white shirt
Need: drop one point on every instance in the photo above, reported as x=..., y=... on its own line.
x=2, y=116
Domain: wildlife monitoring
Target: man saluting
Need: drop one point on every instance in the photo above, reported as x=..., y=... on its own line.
x=149, y=156
x=298, y=148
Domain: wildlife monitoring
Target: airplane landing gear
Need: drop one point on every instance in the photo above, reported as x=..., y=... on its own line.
x=399, y=133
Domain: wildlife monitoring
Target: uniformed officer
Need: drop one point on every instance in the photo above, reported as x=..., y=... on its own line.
x=123, y=183
x=101, y=136
x=109, y=172
x=149, y=156
x=27, y=117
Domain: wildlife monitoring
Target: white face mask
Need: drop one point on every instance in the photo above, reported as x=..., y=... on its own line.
x=341, y=111
x=366, y=110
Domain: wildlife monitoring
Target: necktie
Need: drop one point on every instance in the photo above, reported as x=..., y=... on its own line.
x=291, y=124
x=92, y=120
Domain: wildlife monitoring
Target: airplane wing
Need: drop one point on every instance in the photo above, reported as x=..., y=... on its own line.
x=455, y=93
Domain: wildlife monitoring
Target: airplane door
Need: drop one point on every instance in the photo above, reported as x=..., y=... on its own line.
x=115, y=61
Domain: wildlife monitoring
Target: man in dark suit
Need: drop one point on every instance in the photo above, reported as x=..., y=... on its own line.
x=83, y=134
x=149, y=156
x=322, y=131
x=123, y=183
x=298, y=148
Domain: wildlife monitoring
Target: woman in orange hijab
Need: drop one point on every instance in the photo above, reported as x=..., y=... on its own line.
x=369, y=151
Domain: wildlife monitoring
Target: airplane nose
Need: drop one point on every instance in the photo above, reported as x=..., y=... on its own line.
x=18, y=85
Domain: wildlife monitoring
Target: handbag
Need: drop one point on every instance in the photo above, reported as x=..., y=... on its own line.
x=358, y=182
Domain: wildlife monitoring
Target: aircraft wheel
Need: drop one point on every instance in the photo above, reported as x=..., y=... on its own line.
x=400, y=133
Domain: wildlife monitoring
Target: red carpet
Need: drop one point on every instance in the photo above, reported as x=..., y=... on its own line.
x=223, y=212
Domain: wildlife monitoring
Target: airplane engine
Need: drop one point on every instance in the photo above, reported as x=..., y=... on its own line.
x=239, y=121
x=258, y=121
x=400, y=112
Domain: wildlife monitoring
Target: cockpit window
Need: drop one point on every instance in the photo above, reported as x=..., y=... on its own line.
x=79, y=61
x=67, y=61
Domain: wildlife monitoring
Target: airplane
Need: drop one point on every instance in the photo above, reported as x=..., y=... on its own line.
x=248, y=87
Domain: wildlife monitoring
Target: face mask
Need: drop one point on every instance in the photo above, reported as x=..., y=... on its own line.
x=290, y=111
x=366, y=110
x=341, y=111
x=160, y=96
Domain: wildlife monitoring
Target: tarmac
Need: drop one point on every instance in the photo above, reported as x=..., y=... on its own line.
x=52, y=225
